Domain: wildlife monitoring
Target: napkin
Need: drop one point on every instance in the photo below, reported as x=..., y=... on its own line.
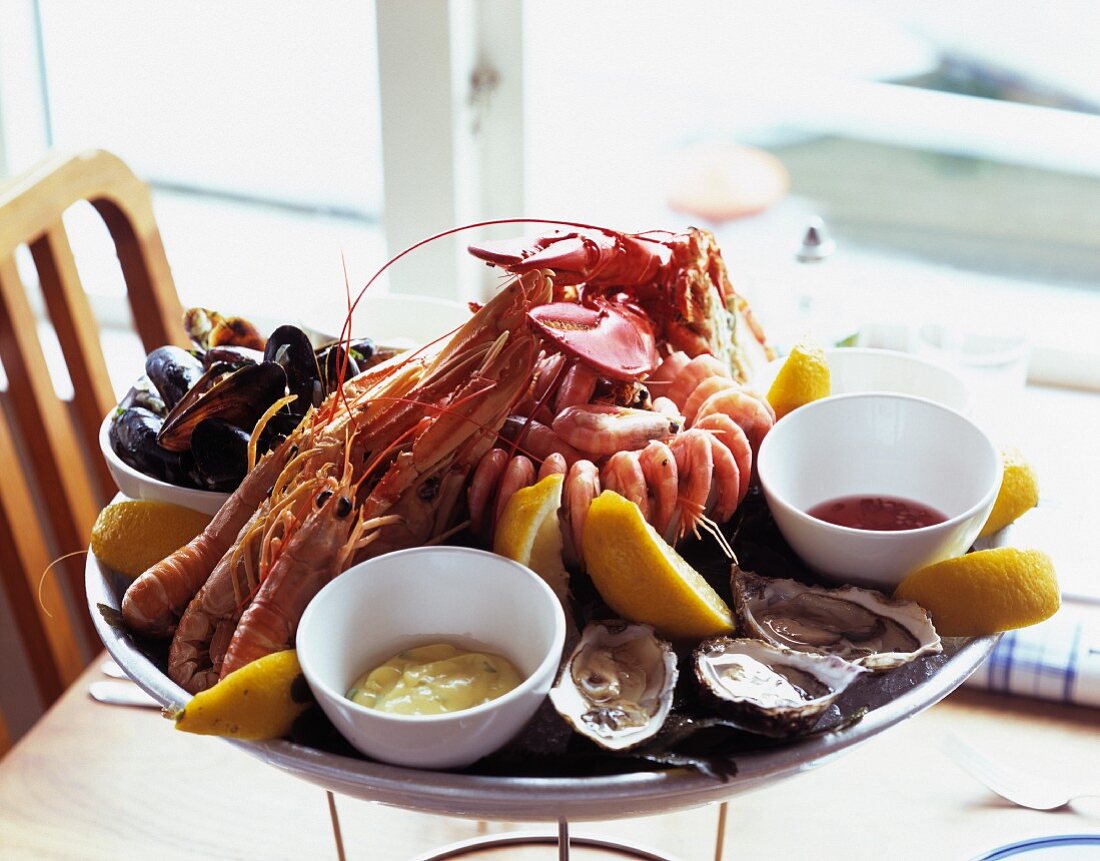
x=1057, y=660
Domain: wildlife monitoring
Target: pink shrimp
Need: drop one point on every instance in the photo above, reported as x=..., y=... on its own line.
x=483, y=486
x=603, y=429
x=577, y=387
x=623, y=474
x=668, y=370
x=582, y=485
x=732, y=438
x=694, y=372
x=658, y=464
x=519, y=473
x=555, y=464
x=747, y=410
x=709, y=386
x=725, y=491
x=695, y=468
x=537, y=439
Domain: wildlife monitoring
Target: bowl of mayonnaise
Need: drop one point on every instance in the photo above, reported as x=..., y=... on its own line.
x=432, y=657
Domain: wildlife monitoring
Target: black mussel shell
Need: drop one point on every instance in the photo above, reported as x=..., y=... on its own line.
x=235, y=357
x=289, y=347
x=220, y=450
x=173, y=371
x=145, y=395
x=133, y=436
x=239, y=398
x=278, y=428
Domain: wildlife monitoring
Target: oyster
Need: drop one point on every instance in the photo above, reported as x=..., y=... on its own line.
x=859, y=625
x=616, y=687
x=768, y=689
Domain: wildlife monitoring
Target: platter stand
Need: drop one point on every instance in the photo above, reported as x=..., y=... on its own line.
x=562, y=840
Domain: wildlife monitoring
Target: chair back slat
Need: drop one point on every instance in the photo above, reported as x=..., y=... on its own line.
x=78, y=334
x=31, y=212
x=56, y=457
x=5, y=738
x=53, y=653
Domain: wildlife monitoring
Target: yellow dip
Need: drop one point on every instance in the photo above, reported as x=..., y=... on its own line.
x=434, y=679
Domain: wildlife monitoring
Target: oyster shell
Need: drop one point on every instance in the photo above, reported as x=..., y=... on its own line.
x=859, y=625
x=616, y=686
x=768, y=689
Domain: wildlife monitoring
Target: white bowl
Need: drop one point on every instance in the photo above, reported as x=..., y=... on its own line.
x=878, y=444
x=137, y=485
x=414, y=597
x=862, y=369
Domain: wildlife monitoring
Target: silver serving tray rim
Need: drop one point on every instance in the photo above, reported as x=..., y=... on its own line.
x=538, y=798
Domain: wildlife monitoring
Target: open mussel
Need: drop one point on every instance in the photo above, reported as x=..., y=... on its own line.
x=231, y=356
x=859, y=625
x=616, y=687
x=289, y=348
x=770, y=690
x=239, y=398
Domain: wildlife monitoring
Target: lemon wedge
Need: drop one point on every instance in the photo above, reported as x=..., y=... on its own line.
x=529, y=533
x=985, y=592
x=643, y=579
x=804, y=377
x=132, y=535
x=1019, y=492
x=261, y=700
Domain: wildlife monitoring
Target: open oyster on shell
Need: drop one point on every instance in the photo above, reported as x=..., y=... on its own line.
x=859, y=625
x=616, y=687
x=770, y=689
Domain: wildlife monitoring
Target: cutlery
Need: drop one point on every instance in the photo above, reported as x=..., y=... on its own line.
x=1016, y=785
x=121, y=694
x=113, y=670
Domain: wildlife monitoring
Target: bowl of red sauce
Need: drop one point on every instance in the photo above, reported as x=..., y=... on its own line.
x=867, y=488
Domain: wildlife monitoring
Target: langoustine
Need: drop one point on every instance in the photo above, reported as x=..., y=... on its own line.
x=401, y=442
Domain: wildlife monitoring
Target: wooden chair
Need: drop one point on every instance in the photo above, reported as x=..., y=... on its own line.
x=62, y=474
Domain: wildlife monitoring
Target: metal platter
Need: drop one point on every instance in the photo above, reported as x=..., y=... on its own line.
x=889, y=702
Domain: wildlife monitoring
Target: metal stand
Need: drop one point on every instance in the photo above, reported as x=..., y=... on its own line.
x=562, y=840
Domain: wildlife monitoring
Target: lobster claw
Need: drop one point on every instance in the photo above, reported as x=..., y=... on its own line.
x=610, y=337
x=594, y=256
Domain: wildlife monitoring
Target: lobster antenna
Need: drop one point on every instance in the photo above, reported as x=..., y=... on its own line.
x=450, y=231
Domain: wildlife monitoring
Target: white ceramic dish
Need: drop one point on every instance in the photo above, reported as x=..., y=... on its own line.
x=880, y=445
x=137, y=485
x=861, y=369
x=423, y=595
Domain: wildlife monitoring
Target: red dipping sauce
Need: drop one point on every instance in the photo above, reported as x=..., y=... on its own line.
x=878, y=513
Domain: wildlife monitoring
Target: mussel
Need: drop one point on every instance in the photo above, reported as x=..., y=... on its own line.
x=220, y=450
x=173, y=371
x=289, y=348
x=133, y=436
x=239, y=398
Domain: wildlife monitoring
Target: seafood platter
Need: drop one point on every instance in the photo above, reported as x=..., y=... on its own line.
x=615, y=369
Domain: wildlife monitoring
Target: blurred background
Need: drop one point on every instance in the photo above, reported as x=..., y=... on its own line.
x=953, y=149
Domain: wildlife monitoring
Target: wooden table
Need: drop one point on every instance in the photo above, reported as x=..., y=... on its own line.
x=93, y=781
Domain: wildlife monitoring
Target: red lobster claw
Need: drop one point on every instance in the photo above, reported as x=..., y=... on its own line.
x=610, y=337
x=594, y=256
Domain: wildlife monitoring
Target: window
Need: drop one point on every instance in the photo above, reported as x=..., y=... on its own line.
x=959, y=174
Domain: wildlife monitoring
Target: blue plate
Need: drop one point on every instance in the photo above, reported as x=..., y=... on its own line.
x=1066, y=847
